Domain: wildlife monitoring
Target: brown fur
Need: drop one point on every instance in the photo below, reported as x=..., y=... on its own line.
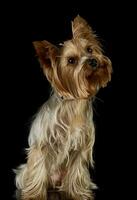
x=62, y=135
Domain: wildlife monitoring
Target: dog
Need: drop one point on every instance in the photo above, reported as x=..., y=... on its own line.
x=62, y=134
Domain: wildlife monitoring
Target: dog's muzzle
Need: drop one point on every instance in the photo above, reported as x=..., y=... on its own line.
x=92, y=62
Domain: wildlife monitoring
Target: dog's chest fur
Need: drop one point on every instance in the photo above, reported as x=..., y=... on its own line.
x=63, y=125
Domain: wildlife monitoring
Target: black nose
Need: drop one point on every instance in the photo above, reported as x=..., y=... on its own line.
x=93, y=63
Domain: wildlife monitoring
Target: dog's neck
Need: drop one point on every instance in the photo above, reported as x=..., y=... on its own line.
x=63, y=98
x=73, y=107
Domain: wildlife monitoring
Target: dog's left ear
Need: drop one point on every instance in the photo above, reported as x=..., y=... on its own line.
x=81, y=29
x=47, y=54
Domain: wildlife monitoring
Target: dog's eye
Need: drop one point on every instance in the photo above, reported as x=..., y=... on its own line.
x=89, y=49
x=72, y=60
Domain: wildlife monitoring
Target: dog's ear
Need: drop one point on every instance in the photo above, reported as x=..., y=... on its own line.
x=47, y=54
x=81, y=29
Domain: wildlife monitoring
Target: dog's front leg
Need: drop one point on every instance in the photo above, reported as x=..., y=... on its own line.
x=31, y=179
x=77, y=183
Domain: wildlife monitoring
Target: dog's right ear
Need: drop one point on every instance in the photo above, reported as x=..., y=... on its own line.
x=47, y=54
x=81, y=29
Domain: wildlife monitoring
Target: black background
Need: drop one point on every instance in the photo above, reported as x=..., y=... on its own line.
x=26, y=88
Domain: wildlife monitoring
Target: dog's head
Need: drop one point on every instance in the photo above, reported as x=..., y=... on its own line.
x=78, y=68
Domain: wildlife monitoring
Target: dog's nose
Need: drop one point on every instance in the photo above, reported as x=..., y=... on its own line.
x=93, y=63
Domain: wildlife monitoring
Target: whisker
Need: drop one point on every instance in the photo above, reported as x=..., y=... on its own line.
x=99, y=99
x=94, y=110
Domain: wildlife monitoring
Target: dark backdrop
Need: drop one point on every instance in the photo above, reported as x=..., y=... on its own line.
x=26, y=88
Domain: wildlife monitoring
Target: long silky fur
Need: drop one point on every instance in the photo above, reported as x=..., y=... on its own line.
x=62, y=134
x=62, y=131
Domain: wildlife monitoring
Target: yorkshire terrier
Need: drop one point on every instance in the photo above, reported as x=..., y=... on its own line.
x=62, y=134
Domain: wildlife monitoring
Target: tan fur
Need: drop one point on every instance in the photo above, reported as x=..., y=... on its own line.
x=62, y=135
